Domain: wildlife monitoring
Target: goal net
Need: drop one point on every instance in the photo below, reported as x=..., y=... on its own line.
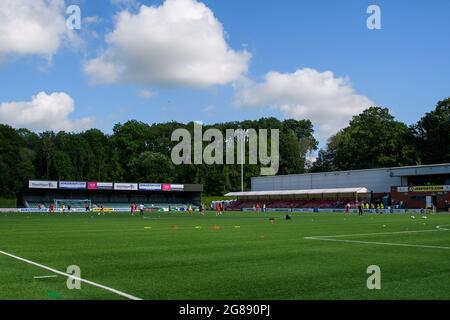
x=73, y=205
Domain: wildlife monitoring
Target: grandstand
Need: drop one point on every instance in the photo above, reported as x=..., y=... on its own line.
x=312, y=203
x=412, y=187
x=295, y=199
x=40, y=195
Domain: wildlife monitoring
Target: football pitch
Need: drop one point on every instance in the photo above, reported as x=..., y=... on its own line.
x=234, y=256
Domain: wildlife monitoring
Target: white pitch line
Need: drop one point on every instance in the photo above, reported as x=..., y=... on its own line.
x=380, y=243
x=120, y=293
x=332, y=238
x=44, y=277
x=376, y=233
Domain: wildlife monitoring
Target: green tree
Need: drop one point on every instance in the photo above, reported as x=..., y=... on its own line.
x=432, y=134
x=130, y=140
x=141, y=152
x=99, y=155
x=152, y=167
x=373, y=139
x=325, y=158
x=15, y=161
x=25, y=167
x=45, y=150
x=62, y=166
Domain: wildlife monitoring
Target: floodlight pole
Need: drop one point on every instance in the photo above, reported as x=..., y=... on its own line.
x=240, y=135
x=242, y=165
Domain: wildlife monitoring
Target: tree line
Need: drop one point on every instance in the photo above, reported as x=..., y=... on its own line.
x=140, y=152
x=375, y=139
x=136, y=152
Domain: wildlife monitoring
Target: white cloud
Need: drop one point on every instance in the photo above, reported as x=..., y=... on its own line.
x=125, y=3
x=180, y=43
x=328, y=101
x=209, y=108
x=32, y=27
x=146, y=94
x=92, y=20
x=43, y=112
x=311, y=158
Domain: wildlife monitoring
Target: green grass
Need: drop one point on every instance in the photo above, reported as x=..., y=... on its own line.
x=235, y=256
x=7, y=202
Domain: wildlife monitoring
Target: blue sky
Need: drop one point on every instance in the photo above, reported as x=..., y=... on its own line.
x=404, y=66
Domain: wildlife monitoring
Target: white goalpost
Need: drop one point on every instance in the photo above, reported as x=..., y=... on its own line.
x=73, y=205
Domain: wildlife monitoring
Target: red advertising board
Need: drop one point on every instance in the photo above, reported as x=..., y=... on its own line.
x=166, y=187
x=92, y=185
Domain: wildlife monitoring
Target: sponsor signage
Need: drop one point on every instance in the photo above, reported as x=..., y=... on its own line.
x=423, y=189
x=172, y=187
x=414, y=210
x=31, y=210
x=71, y=210
x=104, y=185
x=177, y=187
x=7, y=210
x=92, y=185
x=72, y=185
x=337, y=210
x=100, y=185
x=427, y=188
x=125, y=186
x=111, y=210
x=280, y=209
x=268, y=209
x=121, y=209
x=302, y=210
x=35, y=184
x=150, y=186
x=104, y=210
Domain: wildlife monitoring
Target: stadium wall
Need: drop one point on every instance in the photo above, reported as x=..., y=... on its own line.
x=376, y=180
